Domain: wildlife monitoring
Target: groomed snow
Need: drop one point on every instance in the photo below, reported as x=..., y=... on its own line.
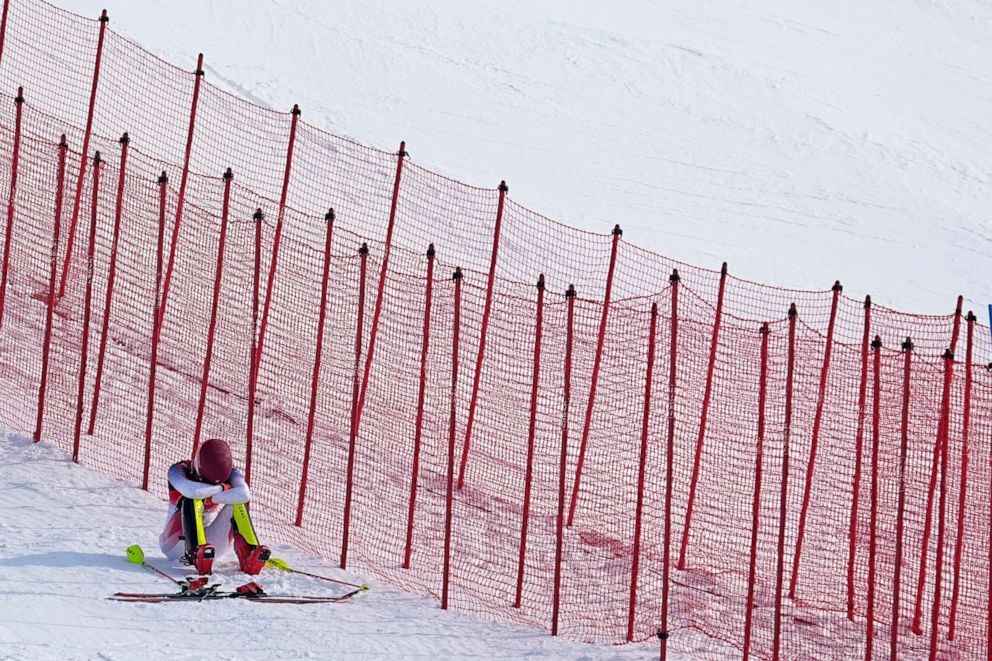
x=63, y=531
x=800, y=141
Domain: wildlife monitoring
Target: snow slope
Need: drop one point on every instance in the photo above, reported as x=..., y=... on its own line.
x=63, y=529
x=800, y=141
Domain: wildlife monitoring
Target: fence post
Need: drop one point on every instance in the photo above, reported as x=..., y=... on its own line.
x=163, y=181
x=270, y=282
x=645, y=420
x=111, y=276
x=87, y=308
x=594, y=381
x=448, y=508
x=483, y=334
x=563, y=460
x=988, y=587
x=814, y=444
x=377, y=310
x=352, y=437
x=50, y=303
x=941, y=507
x=703, y=416
x=876, y=347
x=104, y=19
x=963, y=490
x=786, y=441
x=318, y=352
x=215, y=301
x=528, y=477
x=18, y=102
x=756, y=502
x=3, y=28
x=421, y=394
x=258, y=217
x=181, y=201
x=942, y=424
x=859, y=437
x=663, y=632
x=907, y=348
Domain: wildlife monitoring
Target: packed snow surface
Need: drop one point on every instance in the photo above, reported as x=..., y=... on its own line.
x=63, y=531
x=801, y=141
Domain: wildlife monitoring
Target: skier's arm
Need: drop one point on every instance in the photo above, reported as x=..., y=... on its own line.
x=238, y=493
x=191, y=488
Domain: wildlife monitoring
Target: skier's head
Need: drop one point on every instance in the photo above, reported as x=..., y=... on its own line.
x=213, y=462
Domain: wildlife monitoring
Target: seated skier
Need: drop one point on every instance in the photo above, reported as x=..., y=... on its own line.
x=208, y=511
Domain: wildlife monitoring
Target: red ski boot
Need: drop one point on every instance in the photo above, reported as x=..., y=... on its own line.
x=202, y=558
x=251, y=557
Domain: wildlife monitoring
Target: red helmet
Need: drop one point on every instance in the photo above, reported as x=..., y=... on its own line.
x=213, y=462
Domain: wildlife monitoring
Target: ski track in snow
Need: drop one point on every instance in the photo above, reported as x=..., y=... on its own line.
x=63, y=531
x=802, y=142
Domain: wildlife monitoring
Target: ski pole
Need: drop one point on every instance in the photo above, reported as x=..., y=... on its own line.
x=136, y=556
x=279, y=563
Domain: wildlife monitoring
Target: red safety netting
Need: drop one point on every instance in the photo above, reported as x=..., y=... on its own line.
x=887, y=445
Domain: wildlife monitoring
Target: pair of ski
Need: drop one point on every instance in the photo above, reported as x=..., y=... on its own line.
x=198, y=589
x=251, y=592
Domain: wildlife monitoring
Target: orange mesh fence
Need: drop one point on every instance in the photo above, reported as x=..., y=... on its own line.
x=639, y=499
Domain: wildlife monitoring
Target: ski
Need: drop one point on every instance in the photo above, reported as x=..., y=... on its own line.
x=211, y=593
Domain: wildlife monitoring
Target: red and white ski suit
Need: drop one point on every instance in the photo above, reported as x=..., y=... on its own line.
x=218, y=500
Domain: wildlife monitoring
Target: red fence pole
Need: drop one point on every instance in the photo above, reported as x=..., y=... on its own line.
x=663, y=632
x=528, y=477
x=83, y=157
x=642, y=461
x=449, y=504
x=276, y=240
x=3, y=28
x=941, y=509
x=963, y=489
x=315, y=378
x=907, y=348
x=935, y=463
x=277, y=237
x=253, y=358
x=163, y=181
x=988, y=587
x=50, y=303
x=214, y=303
x=876, y=347
x=786, y=441
x=814, y=444
x=942, y=428
x=594, y=382
x=484, y=332
x=181, y=201
x=18, y=102
x=859, y=437
x=383, y=271
x=111, y=276
x=563, y=460
x=87, y=309
x=421, y=394
x=353, y=436
x=703, y=416
x=756, y=502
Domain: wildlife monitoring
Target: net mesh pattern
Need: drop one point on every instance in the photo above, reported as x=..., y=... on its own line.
x=52, y=54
